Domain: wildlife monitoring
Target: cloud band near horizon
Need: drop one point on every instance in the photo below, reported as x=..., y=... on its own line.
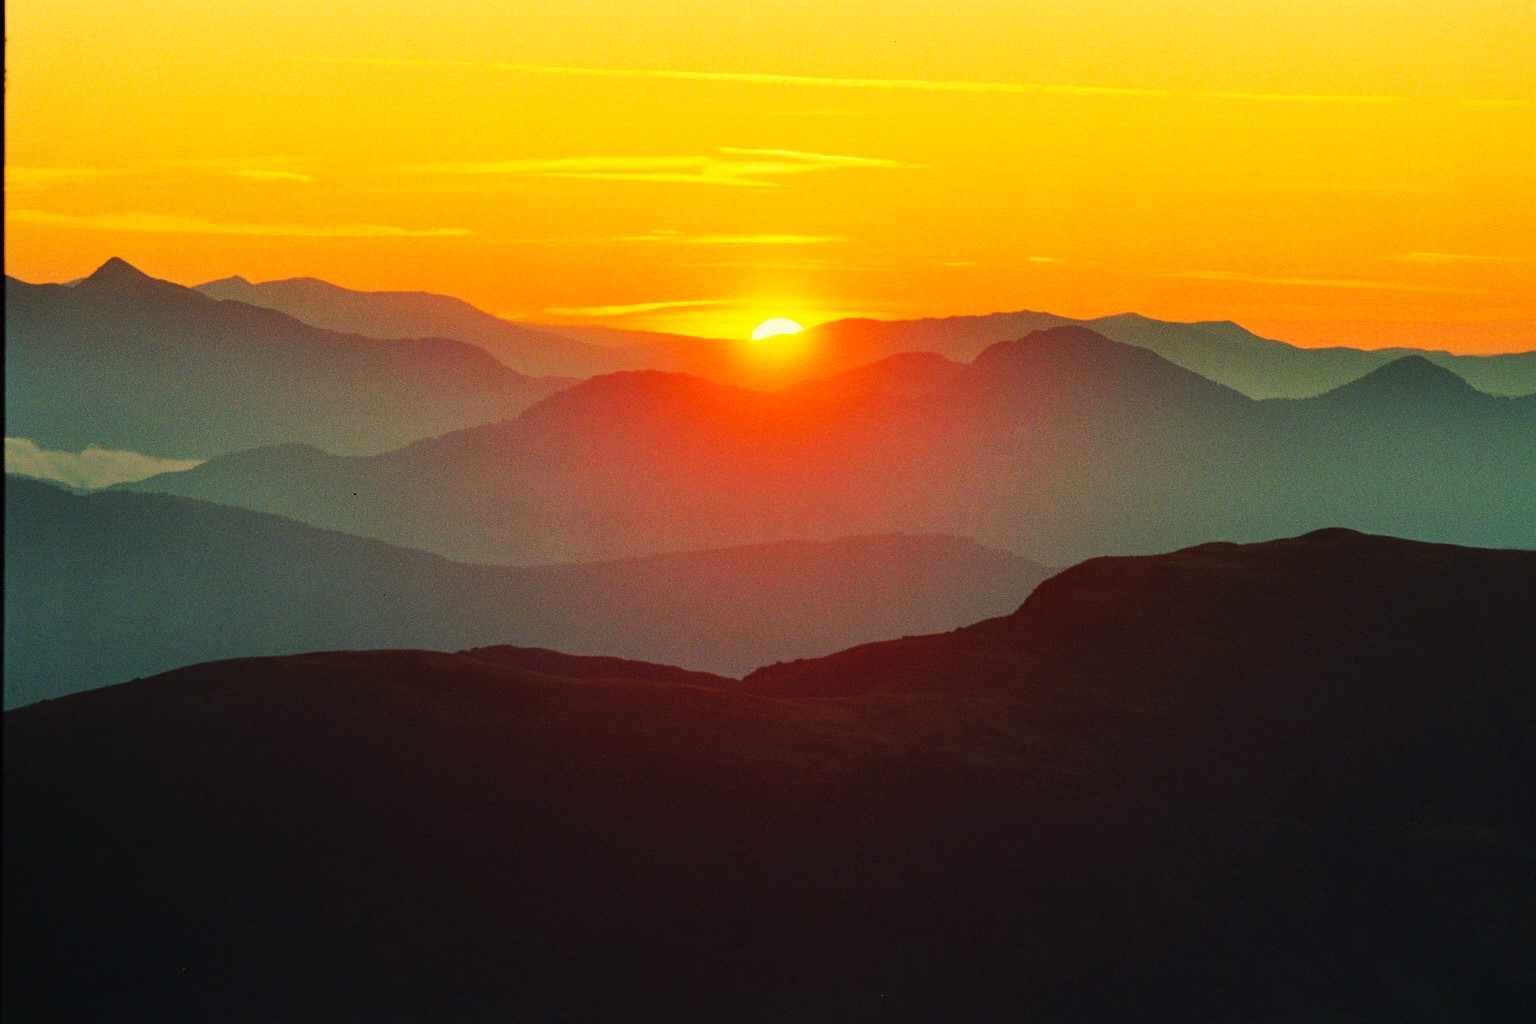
x=905, y=84
x=173, y=224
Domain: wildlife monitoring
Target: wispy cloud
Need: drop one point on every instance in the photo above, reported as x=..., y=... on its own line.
x=175, y=224
x=1446, y=257
x=93, y=468
x=679, y=238
x=259, y=174
x=1327, y=282
x=37, y=179
x=908, y=84
x=1366, y=187
x=635, y=308
x=741, y=168
x=815, y=161
x=22, y=179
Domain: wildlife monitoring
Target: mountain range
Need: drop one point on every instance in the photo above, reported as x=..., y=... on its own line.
x=1276, y=782
x=124, y=361
x=105, y=587
x=403, y=315
x=570, y=350
x=1062, y=444
x=1219, y=350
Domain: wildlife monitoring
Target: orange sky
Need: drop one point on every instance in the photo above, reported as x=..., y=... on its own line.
x=1322, y=172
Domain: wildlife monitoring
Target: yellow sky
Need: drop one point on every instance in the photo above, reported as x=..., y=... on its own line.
x=1323, y=172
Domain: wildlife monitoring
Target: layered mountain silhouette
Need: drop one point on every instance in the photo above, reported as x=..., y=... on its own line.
x=1279, y=782
x=107, y=587
x=571, y=350
x=398, y=314
x=1063, y=444
x=127, y=362
x=1219, y=350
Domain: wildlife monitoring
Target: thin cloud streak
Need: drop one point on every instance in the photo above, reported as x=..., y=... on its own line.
x=738, y=168
x=909, y=84
x=38, y=179
x=819, y=159
x=174, y=224
x=1446, y=257
x=261, y=175
x=1326, y=282
x=676, y=238
x=638, y=307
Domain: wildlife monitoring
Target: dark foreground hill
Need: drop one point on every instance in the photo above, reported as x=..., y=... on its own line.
x=1286, y=782
x=102, y=588
x=128, y=362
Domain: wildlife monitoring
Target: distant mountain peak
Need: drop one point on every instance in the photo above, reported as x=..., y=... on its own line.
x=1073, y=359
x=1075, y=333
x=119, y=277
x=1049, y=342
x=1411, y=377
x=118, y=269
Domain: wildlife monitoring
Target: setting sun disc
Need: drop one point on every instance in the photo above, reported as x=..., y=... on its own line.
x=775, y=327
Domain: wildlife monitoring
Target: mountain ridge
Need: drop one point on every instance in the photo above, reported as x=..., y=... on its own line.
x=109, y=586
x=1070, y=445
x=1071, y=815
x=414, y=314
x=129, y=362
x=1220, y=350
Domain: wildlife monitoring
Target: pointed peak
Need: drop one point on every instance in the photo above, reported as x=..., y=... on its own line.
x=118, y=269
x=119, y=277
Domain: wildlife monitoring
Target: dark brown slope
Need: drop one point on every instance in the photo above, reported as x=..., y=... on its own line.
x=1275, y=783
x=125, y=361
x=1197, y=619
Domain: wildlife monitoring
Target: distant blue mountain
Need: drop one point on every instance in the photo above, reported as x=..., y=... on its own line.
x=127, y=362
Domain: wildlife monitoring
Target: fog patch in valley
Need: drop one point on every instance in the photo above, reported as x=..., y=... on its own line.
x=91, y=469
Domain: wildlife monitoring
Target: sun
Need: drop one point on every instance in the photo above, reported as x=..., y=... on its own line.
x=775, y=327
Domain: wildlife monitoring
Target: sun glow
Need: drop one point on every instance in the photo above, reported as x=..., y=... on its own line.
x=775, y=327
x=778, y=351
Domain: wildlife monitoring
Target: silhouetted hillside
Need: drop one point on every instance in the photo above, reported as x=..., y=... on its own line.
x=107, y=587
x=1218, y=350
x=1198, y=619
x=569, y=350
x=1408, y=386
x=422, y=315
x=124, y=361
x=1287, y=782
x=1063, y=444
